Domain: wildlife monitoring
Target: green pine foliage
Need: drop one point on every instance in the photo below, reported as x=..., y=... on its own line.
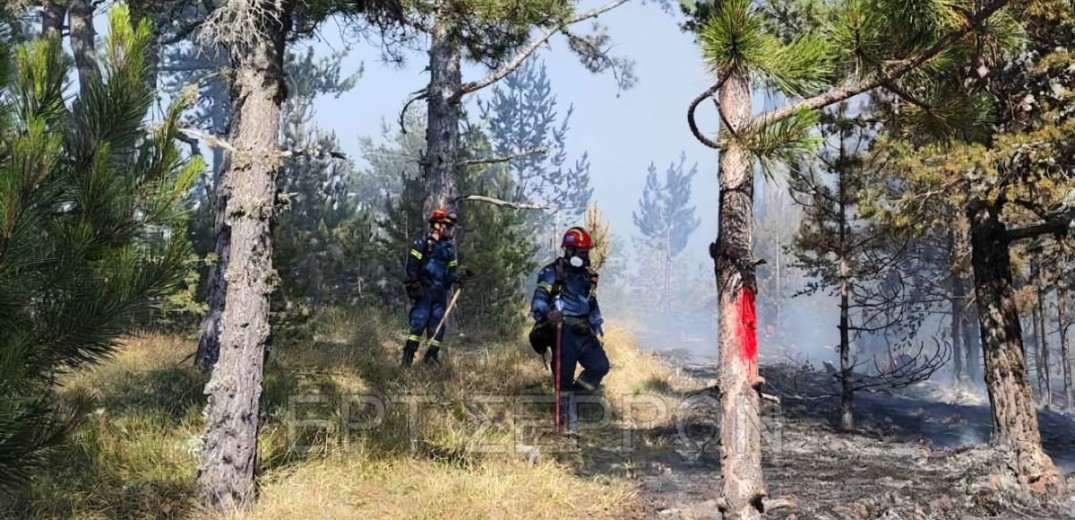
x=496, y=243
x=89, y=200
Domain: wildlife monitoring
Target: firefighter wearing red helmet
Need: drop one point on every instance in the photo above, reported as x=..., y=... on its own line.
x=571, y=281
x=432, y=268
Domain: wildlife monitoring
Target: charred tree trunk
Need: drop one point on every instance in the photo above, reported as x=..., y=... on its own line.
x=52, y=15
x=1065, y=354
x=1043, y=344
x=444, y=113
x=1015, y=419
x=1036, y=343
x=972, y=341
x=225, y=476
x=957, y=329
x=957, y=298
x=847, y=420
x=83, y=44
x=742, y=485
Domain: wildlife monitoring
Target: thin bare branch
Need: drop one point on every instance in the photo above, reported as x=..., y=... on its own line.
x=211, y=140
x=504, y=159
x=516, y=61
x=498, y=202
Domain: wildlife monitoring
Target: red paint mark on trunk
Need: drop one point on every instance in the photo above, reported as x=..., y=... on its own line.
x=748, y=336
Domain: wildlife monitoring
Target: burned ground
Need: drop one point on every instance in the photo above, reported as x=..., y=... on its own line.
x=917, y=453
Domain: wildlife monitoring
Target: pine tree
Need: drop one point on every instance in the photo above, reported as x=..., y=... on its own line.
x=666, y=219
x=1004, y=175
x=316, y=186
x=823, y=54
x=496, y=34
x=87, y=192
x=522, y=118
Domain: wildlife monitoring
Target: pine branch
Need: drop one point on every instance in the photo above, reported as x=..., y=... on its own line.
x=1055, y=224
x=525, y=53
x=498, y=202
x=212, y=140
x=189, y=135
x=837, y=95
x=190, y=141
x=503, y=159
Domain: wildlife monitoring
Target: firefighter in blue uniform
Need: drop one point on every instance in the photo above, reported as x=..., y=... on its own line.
x=432, y=268
x=570, y=280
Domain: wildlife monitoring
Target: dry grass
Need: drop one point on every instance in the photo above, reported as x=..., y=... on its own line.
x=353, y=487
x=137, y=455
x=635, y=371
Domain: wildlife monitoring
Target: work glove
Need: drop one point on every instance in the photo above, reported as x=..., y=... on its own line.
x=414, y=290
x=465, y=277
x=555, y=317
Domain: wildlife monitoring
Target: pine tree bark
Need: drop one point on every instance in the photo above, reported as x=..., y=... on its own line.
x=444, y=113
x=83, y=44
x=225, y=476
x=52, y=15
x=209, y=334
x=742, y=486
x=1015, y=419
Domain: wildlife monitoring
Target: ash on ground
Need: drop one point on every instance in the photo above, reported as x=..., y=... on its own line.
x=917, y=453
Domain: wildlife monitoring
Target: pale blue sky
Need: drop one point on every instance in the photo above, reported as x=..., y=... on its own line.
x=622, y=135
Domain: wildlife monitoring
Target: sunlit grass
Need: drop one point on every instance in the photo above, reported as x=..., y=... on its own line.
x=455, y=457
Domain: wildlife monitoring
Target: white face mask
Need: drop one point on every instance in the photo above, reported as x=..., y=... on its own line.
x=575, y=261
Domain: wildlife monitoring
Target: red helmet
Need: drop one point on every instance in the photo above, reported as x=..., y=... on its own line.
x=444, y=215
x=577, y=237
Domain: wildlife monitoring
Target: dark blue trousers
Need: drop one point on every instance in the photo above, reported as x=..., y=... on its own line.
x=579, y=346
x=426, y=313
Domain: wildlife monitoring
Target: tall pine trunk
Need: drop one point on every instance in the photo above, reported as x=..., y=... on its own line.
x=83, y=46
x=957, y=328
x=225, y=477
x=52, y=15
x=742, y=486
x=209, y=332
x=1015, y=419
x=1043, y=344
x=972, y=341
x=847, y=421
x=1036, y=343
x=1062, y=321
x=958, y=293
x=442, y=120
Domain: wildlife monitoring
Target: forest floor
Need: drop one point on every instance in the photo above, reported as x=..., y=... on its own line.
x=917, y=453
x=348, y=434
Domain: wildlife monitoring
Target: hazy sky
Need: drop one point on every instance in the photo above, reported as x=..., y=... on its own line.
x=622, y=134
